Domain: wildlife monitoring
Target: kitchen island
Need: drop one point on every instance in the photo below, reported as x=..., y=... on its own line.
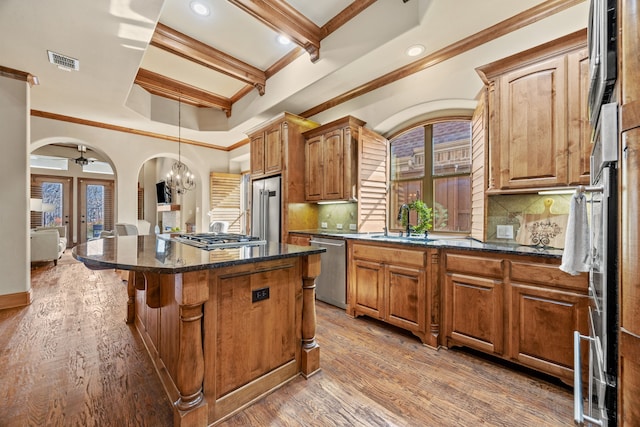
x=223, y=327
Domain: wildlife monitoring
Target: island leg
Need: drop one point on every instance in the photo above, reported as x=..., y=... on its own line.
x=191, y=406
x=131, y=300
x=310, y=348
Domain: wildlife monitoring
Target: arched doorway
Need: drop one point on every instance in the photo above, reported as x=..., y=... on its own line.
x=72, y=185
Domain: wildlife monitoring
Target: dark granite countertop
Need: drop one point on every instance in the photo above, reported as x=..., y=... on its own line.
x=149, y=253
x=442, y=241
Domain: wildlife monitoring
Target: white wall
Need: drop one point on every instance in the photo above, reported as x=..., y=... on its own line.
x=14, y=191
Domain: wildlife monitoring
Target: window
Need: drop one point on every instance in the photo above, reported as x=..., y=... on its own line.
x=441, y=178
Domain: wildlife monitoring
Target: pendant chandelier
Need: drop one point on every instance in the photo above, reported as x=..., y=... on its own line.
x=180, y=179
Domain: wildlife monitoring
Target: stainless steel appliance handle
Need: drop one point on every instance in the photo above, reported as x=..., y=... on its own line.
x=327, y=243
x=265, y=213
x=579, y=417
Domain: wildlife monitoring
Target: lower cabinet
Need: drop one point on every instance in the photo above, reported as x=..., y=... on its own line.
x=396, y=285
x=523, y=309
x=543, y=325
x=299, y=239
x=475, y=312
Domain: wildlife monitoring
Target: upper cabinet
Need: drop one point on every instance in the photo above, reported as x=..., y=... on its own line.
x=334, y=155
x=539, y=133
x=344, y=161
x=330, y=160
x=278, y=143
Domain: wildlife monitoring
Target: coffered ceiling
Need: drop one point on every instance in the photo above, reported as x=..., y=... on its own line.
x=218, y=58
x=230, y=73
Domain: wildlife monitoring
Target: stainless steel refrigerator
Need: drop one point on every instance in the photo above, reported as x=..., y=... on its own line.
x=265, y=209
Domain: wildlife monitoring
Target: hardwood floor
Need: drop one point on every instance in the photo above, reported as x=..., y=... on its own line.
x=69, y=359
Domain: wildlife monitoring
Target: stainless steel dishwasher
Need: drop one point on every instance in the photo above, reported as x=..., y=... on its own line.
x=331, y=284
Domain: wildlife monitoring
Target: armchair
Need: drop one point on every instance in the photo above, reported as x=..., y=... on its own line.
x=48, y=244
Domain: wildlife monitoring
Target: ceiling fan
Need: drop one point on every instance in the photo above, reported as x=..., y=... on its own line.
x=82, y=160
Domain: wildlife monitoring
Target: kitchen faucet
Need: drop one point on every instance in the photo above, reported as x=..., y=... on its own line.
x=402, y=208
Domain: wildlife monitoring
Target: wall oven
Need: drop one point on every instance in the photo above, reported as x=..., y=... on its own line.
x=602, y=39
x=596, y=404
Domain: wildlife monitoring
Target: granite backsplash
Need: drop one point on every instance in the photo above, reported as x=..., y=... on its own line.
x=335, y=215
x=511, y=209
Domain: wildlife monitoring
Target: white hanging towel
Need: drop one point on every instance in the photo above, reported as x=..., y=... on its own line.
x=575, y=258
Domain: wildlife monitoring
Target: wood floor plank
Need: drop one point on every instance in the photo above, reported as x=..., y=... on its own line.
x=69, y=359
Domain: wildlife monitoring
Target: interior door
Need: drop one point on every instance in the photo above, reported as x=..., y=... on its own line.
x=95, y=208
x=56, y=195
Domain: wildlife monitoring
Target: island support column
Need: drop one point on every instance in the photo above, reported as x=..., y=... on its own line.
x=192, y=291
x=310, y=348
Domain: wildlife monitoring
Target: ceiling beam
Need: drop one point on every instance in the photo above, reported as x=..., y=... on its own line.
x=168, y=39
x=521, y=20
x=163, y=86
x=345, y=16
x=282, y=18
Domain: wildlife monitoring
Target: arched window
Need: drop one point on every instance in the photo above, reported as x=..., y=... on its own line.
x=432, y=162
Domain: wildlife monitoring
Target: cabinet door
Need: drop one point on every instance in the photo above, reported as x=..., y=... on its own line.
x=299, y=239
x=406, y=298
x=533, y=126
x=257, y=155
x=368, y=282
x=474, y=312
x=273, y=150
x=579, y=130
x=543, y=325
x=313, y=169
x=333, y=165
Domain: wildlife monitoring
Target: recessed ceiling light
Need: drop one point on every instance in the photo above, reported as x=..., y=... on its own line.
x=415, y=50
x=199, y=8
x=283, y=40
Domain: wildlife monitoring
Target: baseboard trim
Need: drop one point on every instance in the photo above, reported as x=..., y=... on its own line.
x=19, y=299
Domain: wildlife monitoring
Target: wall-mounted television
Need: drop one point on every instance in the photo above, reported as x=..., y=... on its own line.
x=163, y=193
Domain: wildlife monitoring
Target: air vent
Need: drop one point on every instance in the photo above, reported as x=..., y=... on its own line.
x=63, y=62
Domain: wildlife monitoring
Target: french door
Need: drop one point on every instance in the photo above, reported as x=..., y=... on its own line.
x=55, y=193
x=95, y=207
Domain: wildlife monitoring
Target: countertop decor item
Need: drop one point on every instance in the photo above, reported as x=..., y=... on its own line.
x=425, y=216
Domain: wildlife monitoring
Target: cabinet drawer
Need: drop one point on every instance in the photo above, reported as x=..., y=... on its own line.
x=548, y=275
x=479, y=266
x=387, y=255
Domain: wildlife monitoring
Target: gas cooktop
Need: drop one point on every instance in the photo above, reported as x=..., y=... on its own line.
x=210, y=241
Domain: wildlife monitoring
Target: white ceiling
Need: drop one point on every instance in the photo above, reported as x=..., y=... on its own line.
x=111, y=41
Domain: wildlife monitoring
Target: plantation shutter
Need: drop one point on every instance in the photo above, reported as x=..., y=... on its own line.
x=225, y=199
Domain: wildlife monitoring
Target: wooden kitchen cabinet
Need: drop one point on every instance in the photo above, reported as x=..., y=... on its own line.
x=475, y=313
x=579, y=128
x=543, y=324
x=539, y=133
x=277, y=144
x=344, y=161
x=299, y=239
x=266, y=151
x=331, y=160
x=473, y=294
x=397, y=285
x=520, y=308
